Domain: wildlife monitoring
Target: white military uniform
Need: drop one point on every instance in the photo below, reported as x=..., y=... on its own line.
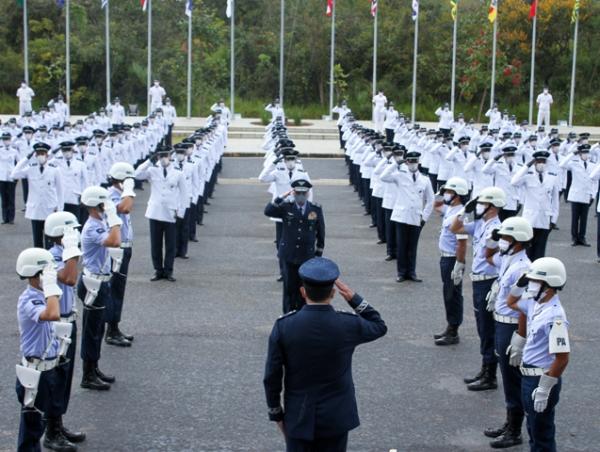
x=544, y=101
x=156, y=93
x=583, y=189
x=446, y=118
x=25, y=94
x=541, y=205
x=379, y=102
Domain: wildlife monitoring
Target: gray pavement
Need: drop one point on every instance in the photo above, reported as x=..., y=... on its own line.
x=193, y=378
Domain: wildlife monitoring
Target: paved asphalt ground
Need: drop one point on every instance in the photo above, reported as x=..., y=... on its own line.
x=193, y=378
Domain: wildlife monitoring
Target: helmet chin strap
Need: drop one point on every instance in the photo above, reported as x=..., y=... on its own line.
x=542, y=290
x=449, y=202
x=509, y=249
x=477, y=217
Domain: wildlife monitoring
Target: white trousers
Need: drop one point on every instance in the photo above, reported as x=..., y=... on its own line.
x=543, y=117
x=24, y=106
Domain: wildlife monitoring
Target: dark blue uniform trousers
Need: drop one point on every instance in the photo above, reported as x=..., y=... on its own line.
x=330, y=444
x=292, y=300
x=540, y=426
x=64, y=374
x=453, y=297
x=511, y=375
x=485, y=321
x=92, y=324
x=117, y=289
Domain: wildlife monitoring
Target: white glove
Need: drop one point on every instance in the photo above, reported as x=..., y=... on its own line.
x=49, y=278
x=542, y=392
x=458, y=272
x=515, y=349
x=490, y=242
x=180, y=213
x=111, y=214
x=70, y=242
x=491, y=297
x=128, y=191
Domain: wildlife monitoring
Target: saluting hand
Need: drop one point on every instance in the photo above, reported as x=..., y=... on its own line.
x=344, y=290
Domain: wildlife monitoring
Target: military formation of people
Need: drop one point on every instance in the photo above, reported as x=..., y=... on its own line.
x=86, y=175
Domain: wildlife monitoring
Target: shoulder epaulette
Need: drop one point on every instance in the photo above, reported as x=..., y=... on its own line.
x=341, y=311
x=283, y=316
x=552, y=174
x=52, y=165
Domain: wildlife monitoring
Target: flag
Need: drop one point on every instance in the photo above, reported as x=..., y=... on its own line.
x=189, y=5
x=493, y=11
x=454, y=9
x=533, y=9
x=329, y=10
x=60, y=3
x=104, y=3
x=144, y=4
x=20, y=3
x=228, y=10
x=415, y=9
x=575, y=14
x=373, y=8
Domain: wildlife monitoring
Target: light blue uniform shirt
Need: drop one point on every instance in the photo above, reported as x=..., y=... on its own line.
x=511, y=268
x=480, y=230
x=95, y=255
x=126, y=229
x=448, y=239
x=36, y=334
x=68, y=292
x=540, y=318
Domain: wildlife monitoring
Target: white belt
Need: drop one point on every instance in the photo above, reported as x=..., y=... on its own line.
x=532, y=371
x=99, y=276
x=126, y=244
x=447, y=254
x=70, y=318
x=476, y=278
x=506, y=319
x=39, y=364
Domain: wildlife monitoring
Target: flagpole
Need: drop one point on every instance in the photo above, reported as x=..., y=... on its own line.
x=281, y=49
x=493, y=81
x=572, y=96
x=232, y=59
x=107, y=51
x=25, y=42
x=414, y=81
x=375, y=29
x=189, y=68
x=149, y=68
x=68, y=51
x=453, y=89
x=332, y=57
x=532, y=77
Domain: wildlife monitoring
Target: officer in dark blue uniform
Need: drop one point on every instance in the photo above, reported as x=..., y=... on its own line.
x=303, y=227
x=314, y=348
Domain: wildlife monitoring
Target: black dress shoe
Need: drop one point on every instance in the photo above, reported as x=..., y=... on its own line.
x=55, y=440
x=194, y=240
x=584, y=243
x=450, y=339
x=157, y=276
x=182, y=256
x=104, y=377
x=90, y=379
x=366, y=214
x=280, y=279
x=206, y=203
x=400, y=279
x=475, y=378
x=74, y=437
x=389, y=258
x=574, y=243
x=443, y=333
x=380, y=242
x=118, y=340
x=169, y=277
x=4, y=222
x=414, y=278
x=372, y=225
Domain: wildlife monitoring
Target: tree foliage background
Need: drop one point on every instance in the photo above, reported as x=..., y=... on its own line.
x=307, y=46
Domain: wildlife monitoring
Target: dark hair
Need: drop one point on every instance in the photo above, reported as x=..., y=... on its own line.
x=317, y=293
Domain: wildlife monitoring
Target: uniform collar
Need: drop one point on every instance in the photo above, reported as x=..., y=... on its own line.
x=317, y=307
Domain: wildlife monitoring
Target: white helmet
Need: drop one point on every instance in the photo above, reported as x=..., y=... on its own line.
x=94, y=196
x=518, y=228
x=550, y=270
x=121, y=171
x=32, y=261
x=457, y=185
x=55, y=223
x=492, y=195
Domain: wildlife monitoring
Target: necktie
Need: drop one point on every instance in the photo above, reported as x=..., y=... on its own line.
x=41, y=169
x=290, y=173
x=414, y=177
x=585, y=165
x=541, y=178
x=180, y=165
x=510, y=167
x=165, y=172
x=69, y=163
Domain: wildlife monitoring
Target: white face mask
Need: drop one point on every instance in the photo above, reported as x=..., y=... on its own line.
x=540, y=167
x=188, y=151
x=398, y=158
x=480, y=209
x=180, y=157
x=448, y=198
x=41, y=159
x=584, y=157
x=545, y=91
x=290, y=164
x=68, y=154
x=164, y=161
x=387, y=154
x=413, y=167
x=300, y=198
x=533, y=288
x=503, y=245
x=485, y=155
x=509, y=160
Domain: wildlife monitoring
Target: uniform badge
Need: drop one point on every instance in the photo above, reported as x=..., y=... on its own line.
x=312, y=216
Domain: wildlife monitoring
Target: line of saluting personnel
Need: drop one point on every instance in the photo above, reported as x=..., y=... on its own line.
x=483, y=180
x=87, y=176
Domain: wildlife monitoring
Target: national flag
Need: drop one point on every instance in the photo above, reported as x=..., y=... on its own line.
x=144, y=4
x=229, y=9
x=373, y=8
x=533, y=8
x=329, y=10
x=493, y=11
x=453, y=11
x=60, y=3
x=575, y=13
x=189, y=5
x=20, y=3
x=415, y=9
x=104, y=3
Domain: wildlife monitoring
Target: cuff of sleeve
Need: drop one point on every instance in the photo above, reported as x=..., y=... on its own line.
x=358, y=304
x=276, y=414
x=517, y=291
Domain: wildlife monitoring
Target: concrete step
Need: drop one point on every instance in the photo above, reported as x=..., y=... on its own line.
x=260, y=136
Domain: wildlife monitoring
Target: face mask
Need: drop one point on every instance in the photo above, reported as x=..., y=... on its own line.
x=448, y=197
x=480, y=209
x=533, y=289
x=6, y=143
x=413, y=167
x=290, y=164
x=42, y=159
x=485, y=155
x=584, y=157
x=398, y=158
x=540, y=167
x=509, y=160
x=164, y=161
x=68, y=155
x=188, y=151
x=300, y=198
x=503, y=246
x=387, y=154
x=28, y=136
x=180, y=157
x=545, y=91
